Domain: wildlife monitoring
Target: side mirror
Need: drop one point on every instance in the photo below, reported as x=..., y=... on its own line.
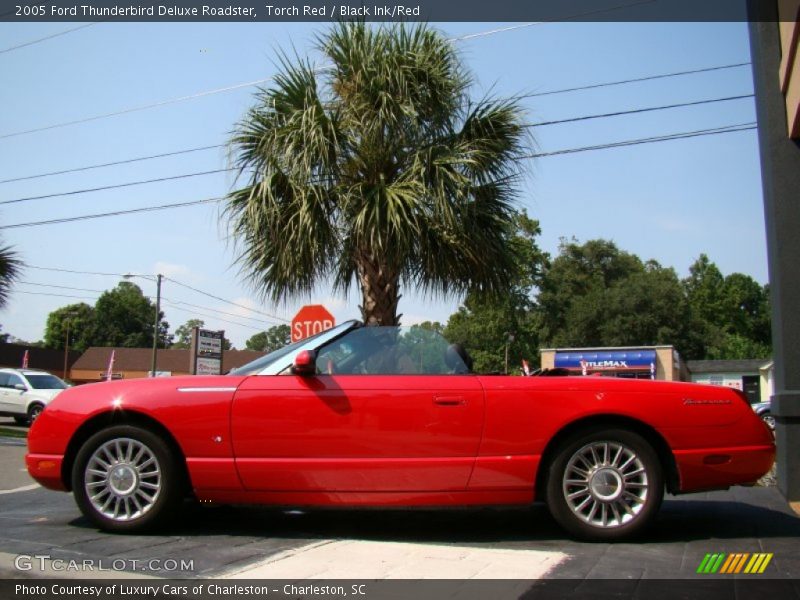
x=305, y=363
x=21, y=387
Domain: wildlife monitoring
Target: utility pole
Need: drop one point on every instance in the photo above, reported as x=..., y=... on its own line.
x=66, y=349
x=157, y=324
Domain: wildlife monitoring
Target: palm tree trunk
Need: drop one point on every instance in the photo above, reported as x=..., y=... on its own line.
x=379, y=291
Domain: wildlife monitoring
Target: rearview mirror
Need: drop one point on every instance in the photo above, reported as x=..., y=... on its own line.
x=21, y=387
x=305, y=363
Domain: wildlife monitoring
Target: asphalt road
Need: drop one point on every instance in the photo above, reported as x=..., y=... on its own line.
x=516, y=543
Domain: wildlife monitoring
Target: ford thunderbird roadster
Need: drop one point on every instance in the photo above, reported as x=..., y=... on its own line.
x=387, y=416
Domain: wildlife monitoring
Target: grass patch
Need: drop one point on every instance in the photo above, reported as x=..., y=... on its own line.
x=15, y=433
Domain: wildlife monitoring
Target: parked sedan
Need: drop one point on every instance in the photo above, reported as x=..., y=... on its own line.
x=25, y=392
x=387, y=416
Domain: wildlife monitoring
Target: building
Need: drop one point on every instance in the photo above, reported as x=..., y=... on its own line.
x=753, y=377
x=135, y=363
x=45, y=359
x=633, y=362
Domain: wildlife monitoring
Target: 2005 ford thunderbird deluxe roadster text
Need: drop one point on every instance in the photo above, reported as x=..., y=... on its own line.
x=386, y=416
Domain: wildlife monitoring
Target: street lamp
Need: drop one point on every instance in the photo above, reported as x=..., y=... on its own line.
x=157, y=320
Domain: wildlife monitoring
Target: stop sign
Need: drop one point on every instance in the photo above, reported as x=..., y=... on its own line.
x=311, y=319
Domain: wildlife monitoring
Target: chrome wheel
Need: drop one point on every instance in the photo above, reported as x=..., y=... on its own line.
x=122, y=479
x=34, y=412
x=769, y=420
x=605, y=484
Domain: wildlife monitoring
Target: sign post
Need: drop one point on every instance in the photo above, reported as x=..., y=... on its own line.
x=310, y=320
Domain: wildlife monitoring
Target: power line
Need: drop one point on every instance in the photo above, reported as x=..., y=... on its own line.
x=169, y=302
x=227, y=301
x=650, y=140
x=49, y=37
x=639, y=110
x=115, y=186
x=635, y=80
x=54, y=295
x=266, y=79
x=74, y=272
x=199, y=314
x=674, y=136
x=540, y=124
x=109, y=214
x=272, y=322
x=112, y=164
x=222, y=312
x=209, y=147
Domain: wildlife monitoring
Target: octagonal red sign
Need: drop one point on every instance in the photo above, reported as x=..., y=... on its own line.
x=311, y=319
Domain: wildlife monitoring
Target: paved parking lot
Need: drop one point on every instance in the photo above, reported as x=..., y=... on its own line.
x=247, y=542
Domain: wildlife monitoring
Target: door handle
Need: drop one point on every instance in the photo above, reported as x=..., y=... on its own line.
x=449, y=400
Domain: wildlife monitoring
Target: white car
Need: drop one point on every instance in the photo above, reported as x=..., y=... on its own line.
x=25, y=392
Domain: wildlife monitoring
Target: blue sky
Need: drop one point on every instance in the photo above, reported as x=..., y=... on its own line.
x=669, y=201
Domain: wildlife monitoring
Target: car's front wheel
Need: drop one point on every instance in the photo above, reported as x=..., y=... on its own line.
x=125, y=479
x=605, y=484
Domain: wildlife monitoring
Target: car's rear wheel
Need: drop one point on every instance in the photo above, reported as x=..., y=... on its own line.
x=125, y=478
x=605, y=484
x=34, y=410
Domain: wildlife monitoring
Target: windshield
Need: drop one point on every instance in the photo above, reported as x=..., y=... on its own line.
x=260, y=364
x=45, y=381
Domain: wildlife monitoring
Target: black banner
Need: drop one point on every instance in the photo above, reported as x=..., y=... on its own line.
x=375, y=10
x=716, y=588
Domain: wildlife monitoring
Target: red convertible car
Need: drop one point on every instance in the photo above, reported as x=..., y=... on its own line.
x=385, y=416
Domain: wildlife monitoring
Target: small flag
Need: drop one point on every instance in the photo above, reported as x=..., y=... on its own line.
x=25, y=360
x=110, y=371
x=526, y=368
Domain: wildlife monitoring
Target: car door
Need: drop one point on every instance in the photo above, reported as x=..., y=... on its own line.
x=357, y=431
x=12, y=398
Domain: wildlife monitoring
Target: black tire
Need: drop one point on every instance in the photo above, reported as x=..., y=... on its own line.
x=22, y=420
x=127, y=488
x=34, y=410
x=610, y=500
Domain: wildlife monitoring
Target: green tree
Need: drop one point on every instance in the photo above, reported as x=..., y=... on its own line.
x=79, y=320
x=4, y=336
x=183, y=334
x=272, y=339
x=730, y=315
x=484, y=324
x=573, y=286
x=380, y=170
x=124, y=317
x=10, y=267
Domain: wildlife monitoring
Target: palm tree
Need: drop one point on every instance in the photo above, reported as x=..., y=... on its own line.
x=379, y=169
x=10, y=267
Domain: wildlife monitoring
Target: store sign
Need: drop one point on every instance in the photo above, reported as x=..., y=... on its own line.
x=612, y=360
x=206, y=352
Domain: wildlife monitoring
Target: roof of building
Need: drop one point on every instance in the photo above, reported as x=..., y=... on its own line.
x=726, y=366
x=140, y=359
x=46, y=359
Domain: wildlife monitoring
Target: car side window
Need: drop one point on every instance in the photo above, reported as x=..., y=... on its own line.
x=3, y=380
x=13, y=380
x=386, y=351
